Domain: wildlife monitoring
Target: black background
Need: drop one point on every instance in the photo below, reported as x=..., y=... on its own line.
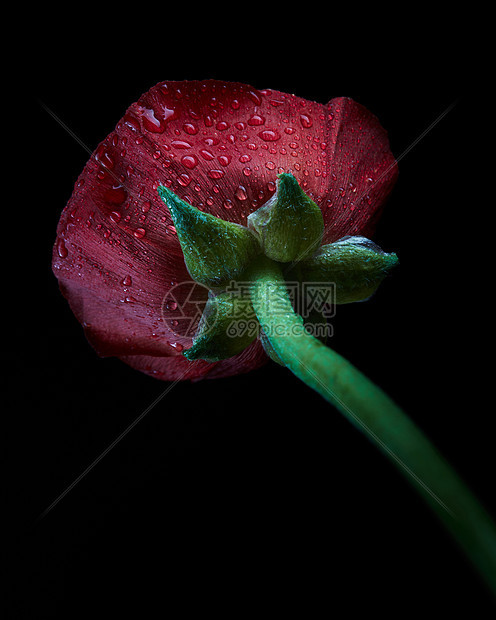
x=250, y=495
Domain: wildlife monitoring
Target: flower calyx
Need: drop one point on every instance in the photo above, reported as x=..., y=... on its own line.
x=287, y=229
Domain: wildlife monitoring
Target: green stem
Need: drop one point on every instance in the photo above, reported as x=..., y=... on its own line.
x=372, y=411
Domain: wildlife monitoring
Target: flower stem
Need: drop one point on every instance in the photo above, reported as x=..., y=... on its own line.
x=372, y=411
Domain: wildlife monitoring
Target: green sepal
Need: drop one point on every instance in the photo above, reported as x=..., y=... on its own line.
x=289, y=225
x=215, y=251
x=228, y=325
x=355, y=265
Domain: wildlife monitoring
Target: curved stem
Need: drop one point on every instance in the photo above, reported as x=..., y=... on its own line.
x=372, y=411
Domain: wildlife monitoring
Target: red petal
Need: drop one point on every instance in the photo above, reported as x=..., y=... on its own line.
x=362, y=170
x=219, y=146
x=178, y=368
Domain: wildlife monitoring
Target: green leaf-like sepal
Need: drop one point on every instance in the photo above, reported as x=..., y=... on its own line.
x=228, y=325
x=215, y=251
x=355, y=265
x=289, y=225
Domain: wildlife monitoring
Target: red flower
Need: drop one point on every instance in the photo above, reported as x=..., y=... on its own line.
x=219, y=146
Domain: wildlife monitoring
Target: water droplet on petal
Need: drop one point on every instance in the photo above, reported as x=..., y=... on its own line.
x=139, y=233
x=256, y=119
x=207, y=155
x=241, y=193
x=61, y=249
x=184, y=179
x=215, y=174
x=115, y=195
x=255, y=97
x=306, y=121
x=181, y=144
x=151, y=122
x=189, y=161
x=127, y=281
x=224, y=160
x=269, y=135
x=190, y=129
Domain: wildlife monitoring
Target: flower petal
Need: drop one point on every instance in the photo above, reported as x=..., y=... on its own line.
x=179, y=368
x=361, y=170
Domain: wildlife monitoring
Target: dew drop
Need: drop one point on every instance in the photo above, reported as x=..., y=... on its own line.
x=61, y=249
x=181, y=144
x=269, y=135
x=127, y=281
x=115, y=217
x=207, y=155
x=190, y=129
x=241, y=193
x=215, y=174
x=211, y=141
x=104, y=157
x=151, y=122
x=306, y=121
x=115, y=195
x=184, y=179
x=254, y=97
x=256, y=119
x=139, y=233
x=189, y=161
x=132, y=122
x=224, y=160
